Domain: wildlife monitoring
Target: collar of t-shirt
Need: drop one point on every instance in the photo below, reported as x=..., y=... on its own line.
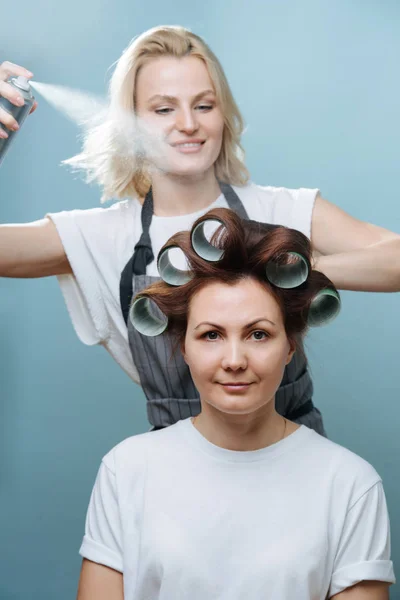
x=199, y=442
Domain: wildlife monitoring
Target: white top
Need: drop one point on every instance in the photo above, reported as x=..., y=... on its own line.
x=99, y=242
x=183, y=518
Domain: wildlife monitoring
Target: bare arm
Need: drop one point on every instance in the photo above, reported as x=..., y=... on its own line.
x=365, y=590
x=98, y=582
x=32, y=250
x=355, y=255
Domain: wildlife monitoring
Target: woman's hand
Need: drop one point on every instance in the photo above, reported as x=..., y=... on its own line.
x=8, y=69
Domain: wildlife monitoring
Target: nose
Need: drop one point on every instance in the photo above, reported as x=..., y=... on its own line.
x=186, y=120
x=235, y=358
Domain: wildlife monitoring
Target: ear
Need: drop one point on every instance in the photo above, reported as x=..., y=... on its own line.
x=292, y=350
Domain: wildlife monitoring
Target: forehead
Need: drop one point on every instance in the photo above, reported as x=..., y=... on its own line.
x=234, y=305
x=180, y=77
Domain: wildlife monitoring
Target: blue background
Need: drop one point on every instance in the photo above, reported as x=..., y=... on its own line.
x=318, y=85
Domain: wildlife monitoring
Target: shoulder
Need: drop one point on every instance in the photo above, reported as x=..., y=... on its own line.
x=272, y=193
x=106, y=233
x=129, y=453
x=132, y=454
x=114, y=214
x=251, y=191
x=290, y=207
x=350, y=474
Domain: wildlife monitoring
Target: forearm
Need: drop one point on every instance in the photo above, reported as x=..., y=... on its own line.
x=375, y=268
x=32, y=250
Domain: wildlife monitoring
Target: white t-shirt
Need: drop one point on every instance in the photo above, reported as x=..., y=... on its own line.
x=182, y=518
x=99, y=242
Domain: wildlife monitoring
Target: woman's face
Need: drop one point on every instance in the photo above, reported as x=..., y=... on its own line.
x=236, y=346
x=178, y=116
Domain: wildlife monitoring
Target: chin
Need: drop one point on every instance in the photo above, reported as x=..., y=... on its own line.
x=236, y=407
x=189, y=173
x=189, y=164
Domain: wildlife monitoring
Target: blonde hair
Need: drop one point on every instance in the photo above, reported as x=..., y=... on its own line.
x=102, y=159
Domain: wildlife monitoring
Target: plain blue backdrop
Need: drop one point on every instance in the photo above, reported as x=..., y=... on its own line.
x=318, y=85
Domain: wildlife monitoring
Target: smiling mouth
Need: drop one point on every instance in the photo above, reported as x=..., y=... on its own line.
x=236, y=388
x=189, y=145
x=237, y=385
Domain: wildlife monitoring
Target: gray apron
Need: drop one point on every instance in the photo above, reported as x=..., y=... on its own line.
x=164, y=375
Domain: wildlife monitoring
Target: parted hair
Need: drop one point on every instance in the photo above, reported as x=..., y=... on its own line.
x=248, y=246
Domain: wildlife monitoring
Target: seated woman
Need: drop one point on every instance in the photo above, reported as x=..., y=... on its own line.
x=219, y=507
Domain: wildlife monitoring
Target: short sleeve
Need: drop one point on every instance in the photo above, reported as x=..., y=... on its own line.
x=282, y=206
x=302, y=209
x=364, y=547
x=96, y=241
x=102, y=542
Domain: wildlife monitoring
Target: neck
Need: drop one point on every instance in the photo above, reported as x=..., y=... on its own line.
x=243, y=432
x=173, y=196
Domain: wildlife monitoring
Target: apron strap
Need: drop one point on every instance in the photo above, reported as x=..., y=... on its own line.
x=233, y=200
x=142, y=256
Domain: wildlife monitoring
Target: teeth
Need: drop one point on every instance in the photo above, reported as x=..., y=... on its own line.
x=194, y=145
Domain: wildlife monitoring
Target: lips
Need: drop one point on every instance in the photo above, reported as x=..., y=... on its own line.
x=236, y=387
x=186, y=142
x=238, y=383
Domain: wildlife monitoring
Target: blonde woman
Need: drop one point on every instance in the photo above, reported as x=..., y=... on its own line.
x=238, y=502
x=178, y=156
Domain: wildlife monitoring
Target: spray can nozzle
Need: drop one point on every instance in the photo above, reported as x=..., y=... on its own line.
x=22, y=82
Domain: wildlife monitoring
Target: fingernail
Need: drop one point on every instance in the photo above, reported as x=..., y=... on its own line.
x=29, y=74
x=15, y=127
x=20, y=101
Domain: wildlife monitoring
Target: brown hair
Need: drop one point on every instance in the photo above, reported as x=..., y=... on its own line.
x=248, y=246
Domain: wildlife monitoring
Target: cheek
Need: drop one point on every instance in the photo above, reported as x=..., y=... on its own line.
x=219, y=132
x=214, y=125
x=269, y=362
x=152, y=129
x=202, y=361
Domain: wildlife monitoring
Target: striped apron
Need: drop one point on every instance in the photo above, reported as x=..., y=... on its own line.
x=164, y=375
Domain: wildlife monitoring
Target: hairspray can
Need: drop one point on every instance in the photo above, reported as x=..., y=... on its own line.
x=19, y=113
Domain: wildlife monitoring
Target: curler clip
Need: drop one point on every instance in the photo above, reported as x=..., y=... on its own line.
x=202, y=246
x=324, y=307
x=170, y=274
x=144, y=321
x=287, y=271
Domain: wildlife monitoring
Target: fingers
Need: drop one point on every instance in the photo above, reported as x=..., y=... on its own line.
x=7, y=69
x=7, y=120
x=34, y=107
x=8, y=91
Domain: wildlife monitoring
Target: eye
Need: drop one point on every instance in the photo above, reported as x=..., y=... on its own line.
x=210, y=335
x=260, y=335
x=161, y=111
x=205, y=107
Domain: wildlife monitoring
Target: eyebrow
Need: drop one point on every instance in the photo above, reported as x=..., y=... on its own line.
x=174, y=99
x=245, y=327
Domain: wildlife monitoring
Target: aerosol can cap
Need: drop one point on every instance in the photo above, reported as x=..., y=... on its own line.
x=22, y=82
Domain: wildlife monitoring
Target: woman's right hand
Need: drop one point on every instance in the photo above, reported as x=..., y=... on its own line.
x=8, y=69
x=28, y=249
